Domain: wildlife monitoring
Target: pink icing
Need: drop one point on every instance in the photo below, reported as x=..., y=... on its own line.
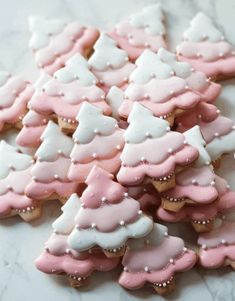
x=135, y=40
x=15, y=94
x=65, y=100
x=209, y=61
x=101, y=185
x=38, y=190
x=195, y=184
x=71, y=40
x=33, y=127
x=157, y=259
x=44, y=171
x=50, y=264
x=101, y=215
x=114, y=77
x=79, y=171
x=214, y=258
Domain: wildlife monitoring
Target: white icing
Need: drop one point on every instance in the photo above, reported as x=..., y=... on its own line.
x=92, y=122
x=4, y=76
x=150, y=18
x=201, y=29
x=144, y=125
x=11, y=159
x=107, y=54
x=154, y=238
x=149, y=65
x=221, y=145
x=76, y=68
x=41, y=81
x=54, y=143
x=64, y=224
x=82, y=240
x=115, y=98
x=42, y=30
x=194, y=137
x=181, y=69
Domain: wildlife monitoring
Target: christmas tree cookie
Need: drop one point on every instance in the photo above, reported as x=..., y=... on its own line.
x=49, y=174
x=55, y=41
x=110, y=64
x=152, y=151
x=194, y=185
x=166, y=86
x=142, y=30
x=205, y=48
x=97, y=141
x=108, y=217
x=15, y=94
x=14, y=177
x=59, y=258
x=64, y=93
x=33, y=126
x=155, y=259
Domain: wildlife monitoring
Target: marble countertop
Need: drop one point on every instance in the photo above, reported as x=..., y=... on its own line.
x=21, y=243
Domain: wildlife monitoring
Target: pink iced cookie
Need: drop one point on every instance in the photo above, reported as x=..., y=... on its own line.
x=142, y=30
x=55, y=41
x=64, y=93
x=143, y=137
x=15, y=94
x=201, y=216
x=205, y=48
x=155, y=259
x=107, y=217
x=166, y=86
x=33, y=126
x=59, y=258
x=97, y=141
x=110, y=64
x=14, y=177
x=218, y=131
x=49, y=174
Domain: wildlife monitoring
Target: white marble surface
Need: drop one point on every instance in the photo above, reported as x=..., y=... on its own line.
x=20, y=243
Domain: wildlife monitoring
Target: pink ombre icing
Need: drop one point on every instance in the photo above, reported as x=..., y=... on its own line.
x=15, y=94
x=110, y=64
x=33, y=127
x=102, y=149
x=49, y=174
x=155, y=260
x=143, y=30
x=144, y=135
x=64, y=41
x=52, y=264
x=205, y=48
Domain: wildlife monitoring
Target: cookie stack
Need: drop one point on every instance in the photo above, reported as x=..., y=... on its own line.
x=126, y=135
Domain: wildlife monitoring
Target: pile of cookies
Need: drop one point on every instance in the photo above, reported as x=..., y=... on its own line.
x=127, y=136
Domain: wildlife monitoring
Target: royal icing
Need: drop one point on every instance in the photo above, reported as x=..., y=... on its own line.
x=33, y=126
x=143, y=30
x=49, y=174
x=98, y=141
x=109, y=63
x=55, y=41
x=163, y=84
x=155, y=259
x=101, y=200
x=115, y=98
x=64, y=93
x=15, y=94
x=139, y=157
x=204, y=47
